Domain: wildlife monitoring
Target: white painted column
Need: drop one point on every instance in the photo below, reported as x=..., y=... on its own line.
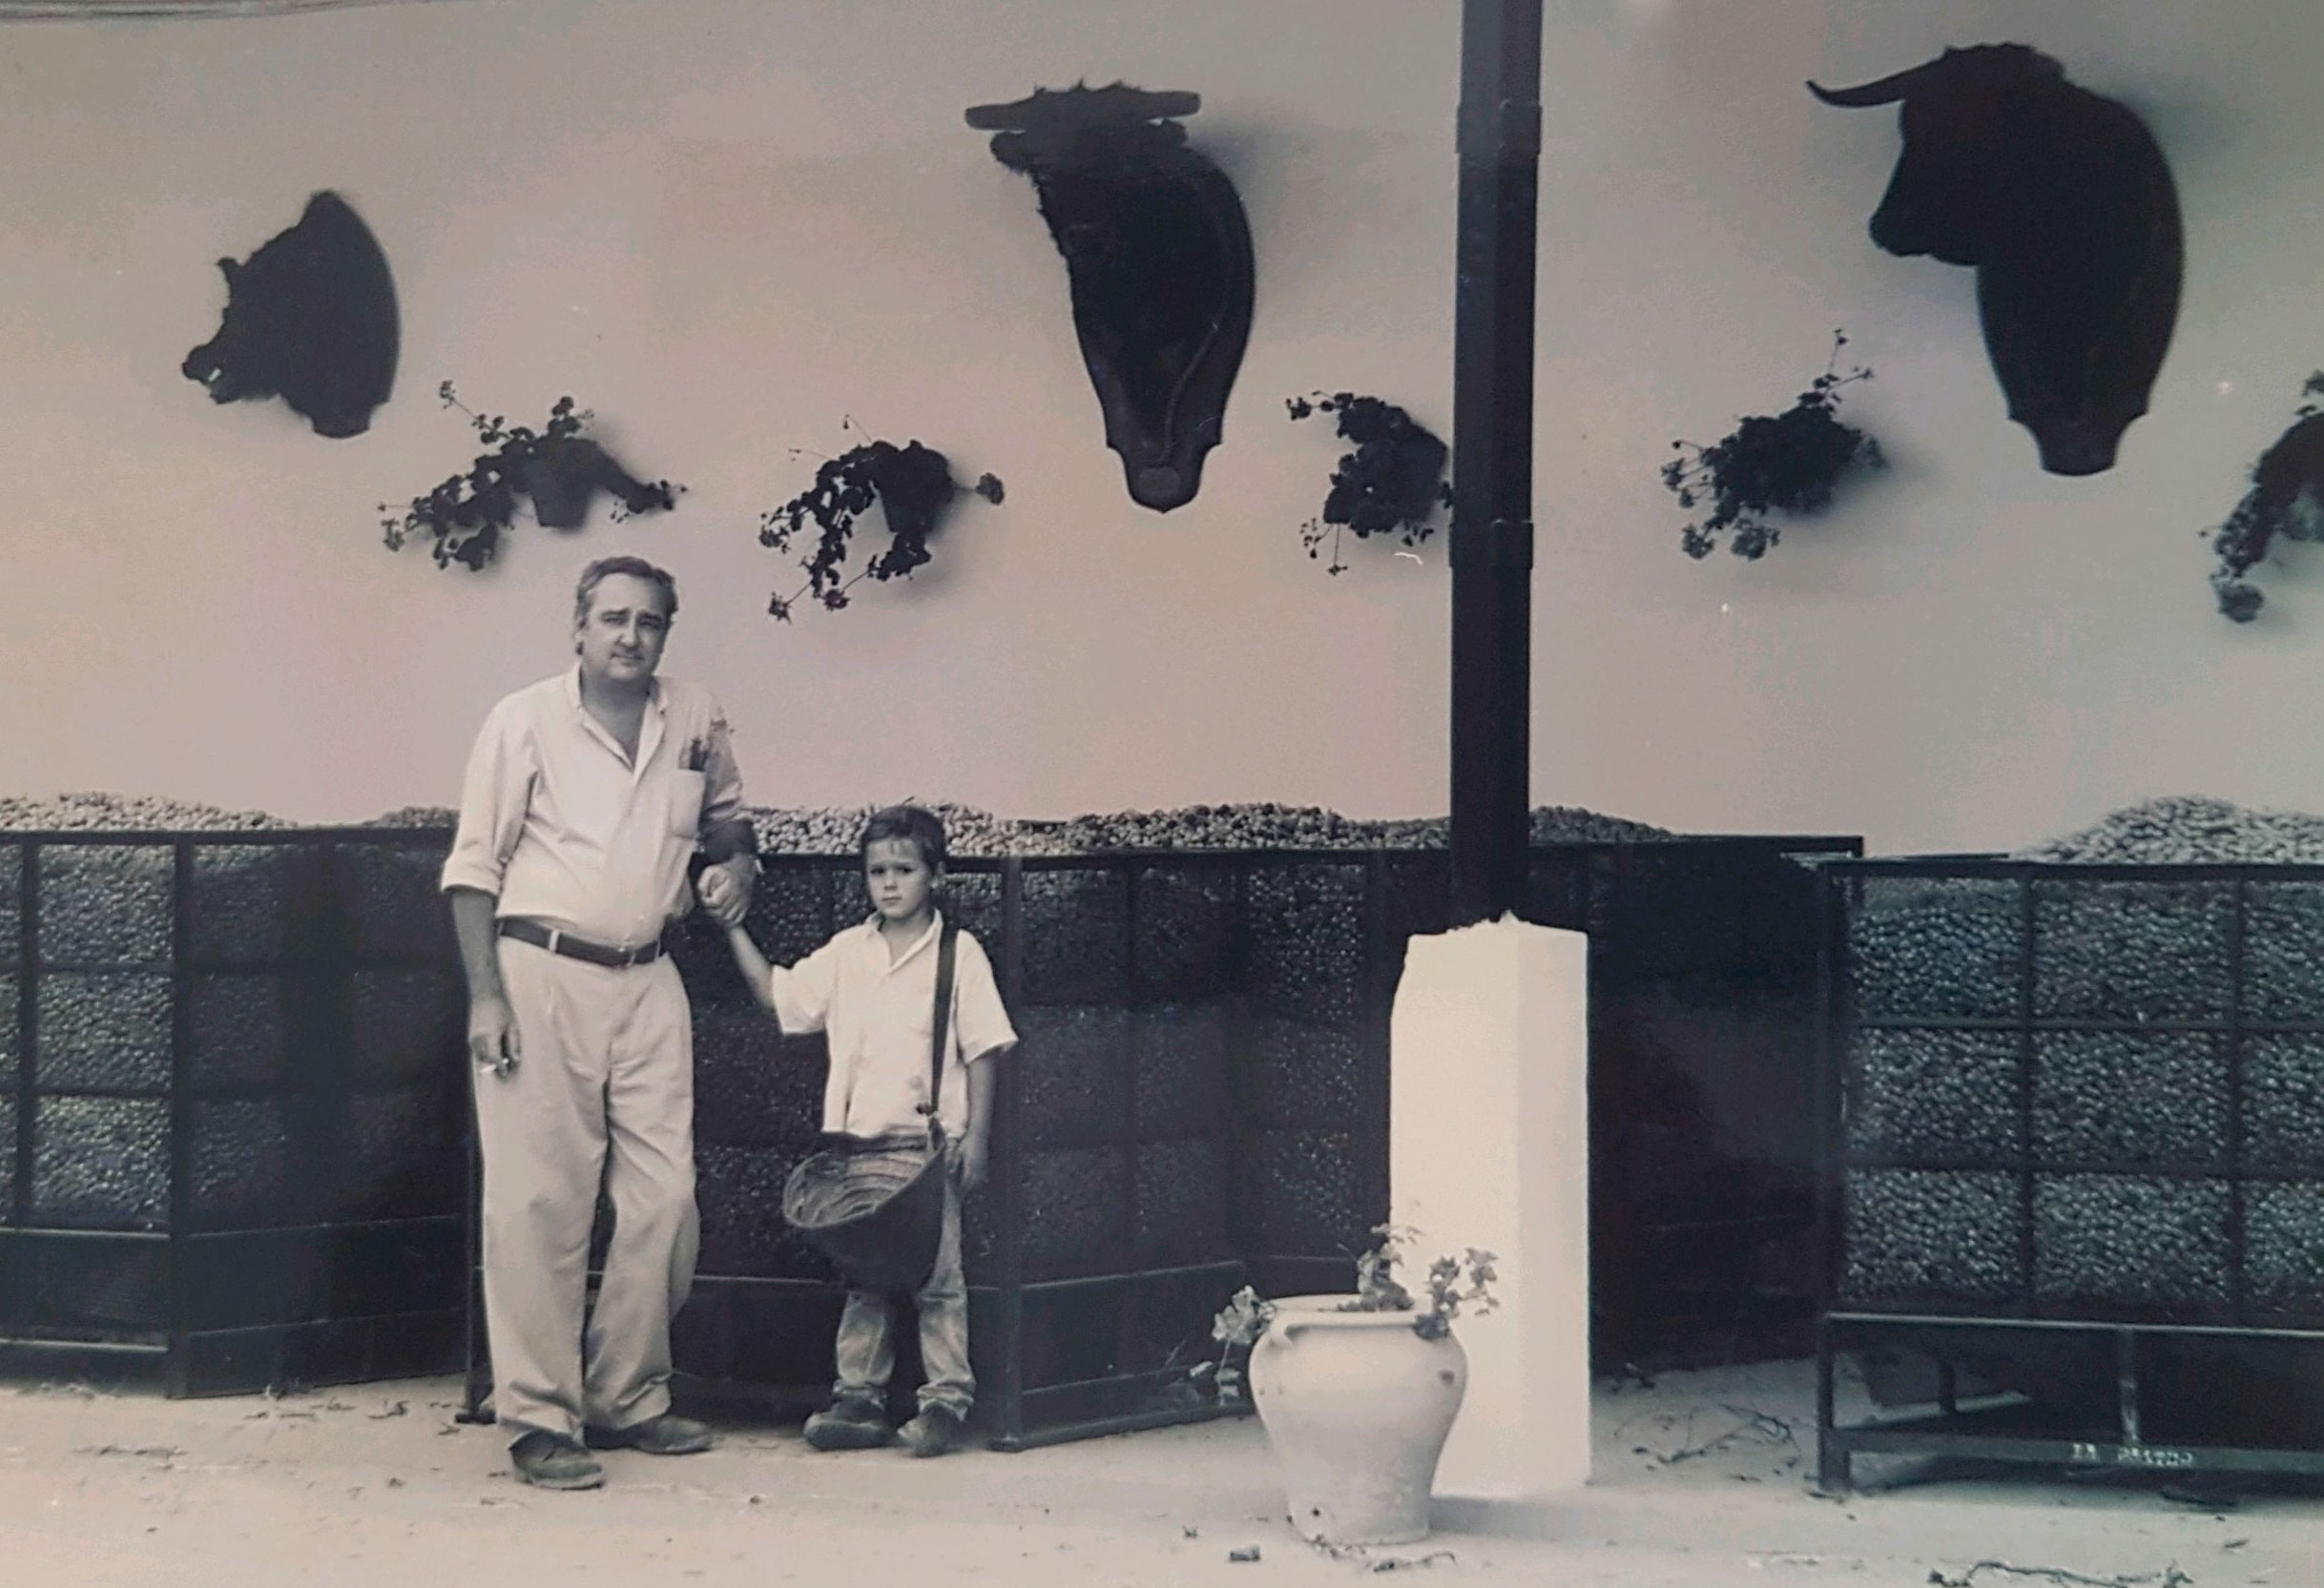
x=1489, y=1133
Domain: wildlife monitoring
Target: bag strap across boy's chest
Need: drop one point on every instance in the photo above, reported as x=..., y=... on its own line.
x=941, y=1027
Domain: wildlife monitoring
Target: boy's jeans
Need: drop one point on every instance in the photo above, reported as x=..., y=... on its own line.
x=866, y=1346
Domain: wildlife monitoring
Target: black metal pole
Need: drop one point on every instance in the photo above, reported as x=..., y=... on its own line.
x=1492, y=516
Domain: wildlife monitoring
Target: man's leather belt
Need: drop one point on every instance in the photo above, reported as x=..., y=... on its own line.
x=557, y=941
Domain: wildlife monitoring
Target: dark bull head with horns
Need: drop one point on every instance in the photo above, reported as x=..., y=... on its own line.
x=1158, y=254
x=2063, y=201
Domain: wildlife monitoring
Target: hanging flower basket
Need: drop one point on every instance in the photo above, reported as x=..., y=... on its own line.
x=1785, y=463
x=1391, y=483
x=914, y=489
x=558, y=470
x=2285, y=499
x=561, y=479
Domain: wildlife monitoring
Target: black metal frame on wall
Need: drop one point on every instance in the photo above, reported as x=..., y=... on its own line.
x=2073, y=1162
x=1703, y=1021
x=226, y=1107
x=250, y=1044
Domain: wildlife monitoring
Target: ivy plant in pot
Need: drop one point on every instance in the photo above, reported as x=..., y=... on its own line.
x=2285, y=500
x=1785, y=463
x=914, y=489
x=558, y=468
x=1391, y=483
x=1358, y=1394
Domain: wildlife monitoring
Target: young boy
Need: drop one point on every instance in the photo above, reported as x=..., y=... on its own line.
x=872, y=989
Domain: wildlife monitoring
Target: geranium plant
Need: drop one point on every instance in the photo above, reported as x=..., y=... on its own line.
x=1785, y=463
x=558, y=468
x=1451, y=1284
x=1391, y=483
x=913, y=485
x=2286, y=498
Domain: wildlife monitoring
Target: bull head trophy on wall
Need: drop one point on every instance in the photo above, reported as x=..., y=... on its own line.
x=2063, y=201
x=1157, y=251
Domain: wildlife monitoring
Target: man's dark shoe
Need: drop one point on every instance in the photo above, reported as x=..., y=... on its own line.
x=551, y=1461
x=850, y=1422
x=935, y=1430
x=662, y=1436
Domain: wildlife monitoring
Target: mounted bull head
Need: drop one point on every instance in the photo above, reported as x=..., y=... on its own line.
x=310, y=316
x=1158, y=254
x=2065, y=204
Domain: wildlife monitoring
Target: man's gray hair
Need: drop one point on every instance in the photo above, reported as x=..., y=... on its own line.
x=637, y=567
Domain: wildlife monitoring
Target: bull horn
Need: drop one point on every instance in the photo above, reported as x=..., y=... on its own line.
x=1885, y=92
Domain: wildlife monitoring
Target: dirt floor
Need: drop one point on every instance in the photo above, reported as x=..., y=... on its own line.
x=1702, y=1481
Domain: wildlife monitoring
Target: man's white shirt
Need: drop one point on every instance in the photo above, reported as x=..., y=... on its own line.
x=562, y=826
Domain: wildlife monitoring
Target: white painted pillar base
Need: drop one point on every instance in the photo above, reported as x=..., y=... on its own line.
x=1489, y=1134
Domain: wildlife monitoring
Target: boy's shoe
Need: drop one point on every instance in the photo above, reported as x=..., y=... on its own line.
x=662, y=1436
x=850, y=1422
x=551, y=1461
x=935, y=1430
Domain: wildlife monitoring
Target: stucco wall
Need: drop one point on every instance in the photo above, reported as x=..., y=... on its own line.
x=722, y=225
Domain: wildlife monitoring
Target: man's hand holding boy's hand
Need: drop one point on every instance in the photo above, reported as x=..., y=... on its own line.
x=725, y=898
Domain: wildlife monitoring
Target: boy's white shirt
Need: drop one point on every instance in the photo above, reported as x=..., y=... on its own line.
x=876, y=1016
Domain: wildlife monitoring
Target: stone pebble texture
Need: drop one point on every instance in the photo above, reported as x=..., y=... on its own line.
x=2131, y=1131
x=106, y=1011
x=237, y=1029
x=240, y=1161
x=969, y=830
x=102, y=1161
x=1945, y=1235
x=2283, y=1232
x=243, y=895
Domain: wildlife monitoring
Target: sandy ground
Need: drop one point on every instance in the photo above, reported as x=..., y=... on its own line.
x=1701, y=1481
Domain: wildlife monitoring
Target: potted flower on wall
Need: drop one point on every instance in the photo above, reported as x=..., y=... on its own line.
x=1785, y=463
x=1392, y=483
x=2285, y=500
x=1358, y=1394
x=559, y=468
x=913, y=486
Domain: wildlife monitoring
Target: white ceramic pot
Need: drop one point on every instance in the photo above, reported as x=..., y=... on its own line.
x=1358, y=1408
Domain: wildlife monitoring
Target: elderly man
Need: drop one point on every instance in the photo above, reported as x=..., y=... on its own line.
x=587, y=796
